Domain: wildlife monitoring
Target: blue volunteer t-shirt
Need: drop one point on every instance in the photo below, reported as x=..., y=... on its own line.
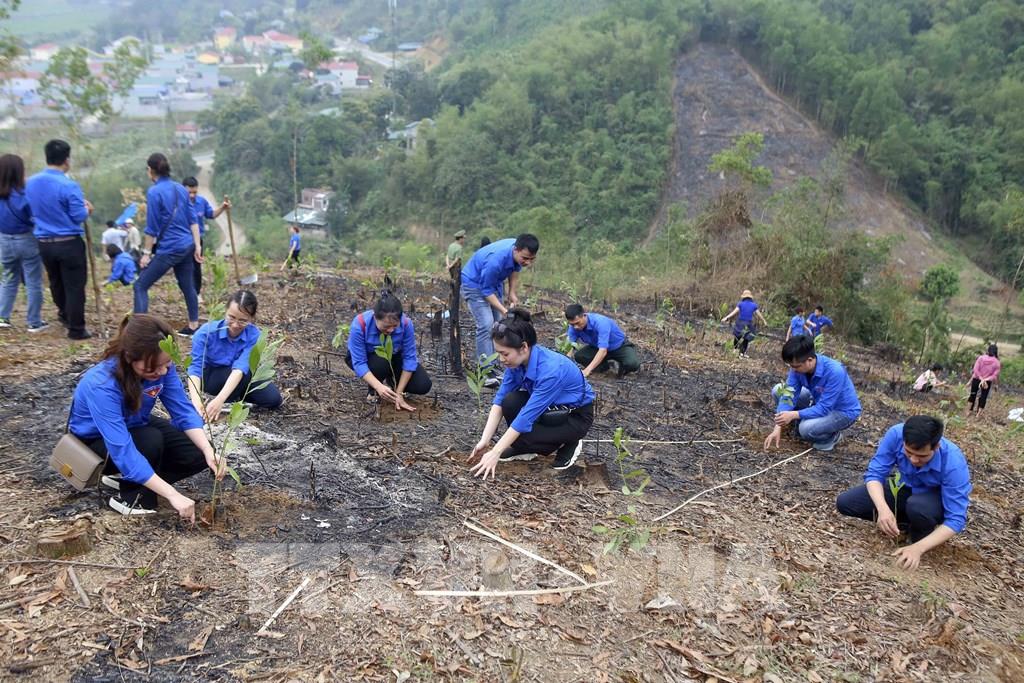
x=213, y=346
x=551, y=379
x=123, y=269
x=816, y=322
x=98, y=410
x=601, y=331
x=57, y=204
x=295, y=243
x=796, y=325
x=489, y=267
x=170, y=216
x=946, y=472
x=15, y=214
x=747, y=308
x=831, y=389
x=203, y=212
x=364, y=337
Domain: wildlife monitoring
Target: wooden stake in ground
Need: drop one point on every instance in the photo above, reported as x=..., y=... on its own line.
x=95, y=281
x=454, y=336
x=524, y=551
x=231, y=236
x=284, y=606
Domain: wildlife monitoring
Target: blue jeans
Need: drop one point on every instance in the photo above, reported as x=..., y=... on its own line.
x=19, y=255
x=485, y=315
x=183, y=263
x=821, y=432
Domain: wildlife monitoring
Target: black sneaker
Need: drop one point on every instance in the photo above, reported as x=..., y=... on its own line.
x=567, y=455
x=41, y=327
x=79, y=335
x=130, y=509
x=186, y=331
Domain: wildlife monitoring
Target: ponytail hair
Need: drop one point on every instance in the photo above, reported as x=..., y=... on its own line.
x=159, y=164
x=138, y=338
x=388, y=306
x=515, y=329
x=246, y=301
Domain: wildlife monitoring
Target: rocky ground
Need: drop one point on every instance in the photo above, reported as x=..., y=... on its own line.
x=359, y=508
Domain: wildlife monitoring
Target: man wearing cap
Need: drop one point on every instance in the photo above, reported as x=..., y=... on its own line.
x=454, y=254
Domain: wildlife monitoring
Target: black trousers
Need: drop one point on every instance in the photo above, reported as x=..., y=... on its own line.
x=419, y=383
x=922, y=512
x=979, y=394
x=544, y=439
x=743, y=333
x=67, y=271
x=216, y=376
x=169, y=451
x=626, y=356
x=197, y=268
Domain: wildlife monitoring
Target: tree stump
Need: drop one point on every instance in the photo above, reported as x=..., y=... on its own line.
x=66, y=541
x=494, y=571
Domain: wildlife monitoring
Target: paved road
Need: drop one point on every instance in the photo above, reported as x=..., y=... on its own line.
x=382, y=58
x=205, y=162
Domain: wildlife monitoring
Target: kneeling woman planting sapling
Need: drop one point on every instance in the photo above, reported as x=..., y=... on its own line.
x=221, y=352
x=544, y=397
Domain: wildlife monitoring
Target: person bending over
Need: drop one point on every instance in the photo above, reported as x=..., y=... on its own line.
x=220, y=360
x=368, y=332
x=603, y=341
x=111, y=413
x=918, y=480
x=122, y=266
x=818, y=396
x=546, y=401
x=929, y=379
x=745, y=330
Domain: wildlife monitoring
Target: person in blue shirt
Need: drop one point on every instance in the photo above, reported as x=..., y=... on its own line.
x=111, y=412
x=59, y=209
x=818, y=321
x=367, y=333
x=172, y=226
x=122, y=266
x=204, y=211
x=919, y=480
x=602, y=341
x=483, y=282
x=220, y=360
x=797, y=324
x=818, y=396
x=745, y=312
x=546, y=401
x=19, y=250
x=294, y=248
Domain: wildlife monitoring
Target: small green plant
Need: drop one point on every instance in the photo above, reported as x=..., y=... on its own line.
x=340, y=336
x=260, y=262
x=218, y=286
x=262, y=368
x=386, y=350
x=630, y=533
x=562, y=343
x=476, y=376
x=570, y=290
x=665, y=311
x=819, y=344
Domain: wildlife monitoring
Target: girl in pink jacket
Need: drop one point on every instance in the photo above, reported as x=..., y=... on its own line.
x=986, y=371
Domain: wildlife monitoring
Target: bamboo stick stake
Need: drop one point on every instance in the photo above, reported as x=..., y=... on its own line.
x=524, y=551
x=284, y=605
x=508, y=594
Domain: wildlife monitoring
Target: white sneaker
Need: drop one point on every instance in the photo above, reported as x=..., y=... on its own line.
x=112, y=481
x=492, y=383
x=128, y=510
x=517, y=456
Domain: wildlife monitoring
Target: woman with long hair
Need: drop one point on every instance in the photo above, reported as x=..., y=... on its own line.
x=111, y=412
x=984, y=373
x=220, y=360
x=19, y=250
x=544, y=397
x=172, y=229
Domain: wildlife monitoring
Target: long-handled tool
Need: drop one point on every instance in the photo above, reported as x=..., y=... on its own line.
x=95, y=282
x=248, y=279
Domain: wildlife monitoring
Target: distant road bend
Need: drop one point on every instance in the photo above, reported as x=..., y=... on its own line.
x=204, y=177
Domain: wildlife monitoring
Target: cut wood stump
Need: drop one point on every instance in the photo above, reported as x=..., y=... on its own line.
x=66, y=540
x=494, y=571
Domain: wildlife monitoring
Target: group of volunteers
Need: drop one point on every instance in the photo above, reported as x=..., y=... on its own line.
x=917, y=480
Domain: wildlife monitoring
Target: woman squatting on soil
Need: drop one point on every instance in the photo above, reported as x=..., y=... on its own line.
x=544, y=397
x=220, y=360
x=368, y=333
x=111, y=413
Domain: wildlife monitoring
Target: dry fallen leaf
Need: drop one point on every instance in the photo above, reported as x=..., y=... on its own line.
x=190, y=584
x=553, y=599
x=198, y=644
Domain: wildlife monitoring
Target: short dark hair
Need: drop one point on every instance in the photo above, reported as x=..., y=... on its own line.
x=573, y=311
x=484, y=241
x=528, y=242
x=922, y=430
x=12, y=174
x=245, y=300
x=515, y=329
x=190, y=182
x=799, y=309
x=819, y=308
x=110, y=224
x=798, y=349
x=388, y=306
x=113, y=250
x=936, y=368
x=57, y=152
x=159, y=164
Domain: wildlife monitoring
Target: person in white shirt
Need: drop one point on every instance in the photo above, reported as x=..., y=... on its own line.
x=929, y=379
x=114, y=235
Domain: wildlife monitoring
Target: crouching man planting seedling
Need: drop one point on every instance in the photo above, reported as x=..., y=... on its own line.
x=930, y=496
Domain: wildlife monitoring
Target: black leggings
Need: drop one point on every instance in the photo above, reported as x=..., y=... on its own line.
x=419, y=383
x=975, y=388
x=544, y=439
x=743, y=333
x=214, y=378
x=169, y=451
